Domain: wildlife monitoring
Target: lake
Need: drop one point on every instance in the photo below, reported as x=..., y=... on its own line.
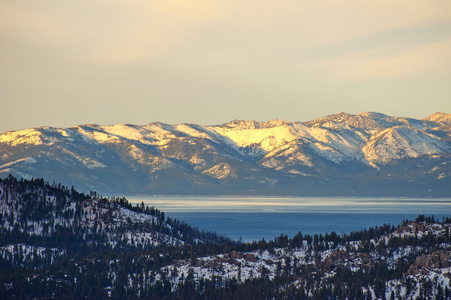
x=254, y=218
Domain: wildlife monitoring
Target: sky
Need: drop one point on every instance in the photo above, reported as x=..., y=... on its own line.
x=65, y=63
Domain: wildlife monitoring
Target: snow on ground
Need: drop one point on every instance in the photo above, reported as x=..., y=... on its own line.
x=266, y=139
x=29, y=160
x=88, y=162
x=28, y=136
x=399, y=142
x=219, y=171
x=22, y=252
x=95, y=215
x=249, y=265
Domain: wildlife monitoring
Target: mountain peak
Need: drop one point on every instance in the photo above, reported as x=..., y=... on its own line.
x=242, y=124
x=374, y=115
x=439, y=117
x=333, y=117
x=368, y=121
x=25, y=136
x=252, y=124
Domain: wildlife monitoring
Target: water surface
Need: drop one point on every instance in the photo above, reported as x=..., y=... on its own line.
x=253, y=218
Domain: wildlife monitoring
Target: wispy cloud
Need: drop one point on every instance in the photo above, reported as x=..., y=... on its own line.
x=390, y=42
x=406, y=52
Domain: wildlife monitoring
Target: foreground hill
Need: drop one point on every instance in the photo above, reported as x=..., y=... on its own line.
x=369, y=154
x=58, y=243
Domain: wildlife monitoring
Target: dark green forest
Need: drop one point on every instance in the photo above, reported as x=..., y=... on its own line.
x=58, y=243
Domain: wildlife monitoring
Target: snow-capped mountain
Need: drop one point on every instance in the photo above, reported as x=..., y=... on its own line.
x=342, y=154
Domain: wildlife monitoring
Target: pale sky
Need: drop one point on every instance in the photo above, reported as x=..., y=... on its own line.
x=66, y=62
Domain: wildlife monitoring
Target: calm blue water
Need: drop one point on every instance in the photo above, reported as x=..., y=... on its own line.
x=253, y=218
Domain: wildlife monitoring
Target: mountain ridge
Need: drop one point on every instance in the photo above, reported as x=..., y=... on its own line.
x=268, y=158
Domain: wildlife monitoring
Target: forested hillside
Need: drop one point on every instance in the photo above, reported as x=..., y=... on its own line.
x=58, y=243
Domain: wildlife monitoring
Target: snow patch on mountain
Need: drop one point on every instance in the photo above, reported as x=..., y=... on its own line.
x=126, y=131
x=85, y=160
x=289, y=154
x=28, y=136
x=159, y=163
x=64, y=133
x=249, y=135
x=102, y=137
x=327, y=152
x=197, y=162
x=442, y=176
x=29, y=160
x=219, y=171
x=339, y=145
x=191, y=130
x=369, y=121
x=136, y=153
x=400, y=142
x=440, y=117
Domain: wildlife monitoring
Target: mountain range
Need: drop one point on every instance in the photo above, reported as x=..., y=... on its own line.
x=368, y=154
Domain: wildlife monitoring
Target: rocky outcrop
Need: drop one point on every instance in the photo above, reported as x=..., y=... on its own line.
x=424, y=263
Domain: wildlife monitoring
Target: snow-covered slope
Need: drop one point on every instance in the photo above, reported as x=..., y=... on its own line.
x=440, y=117
x=401, y=142
x=355, y=256
x=43, y=210
x=244, y=152
x=59, y=243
